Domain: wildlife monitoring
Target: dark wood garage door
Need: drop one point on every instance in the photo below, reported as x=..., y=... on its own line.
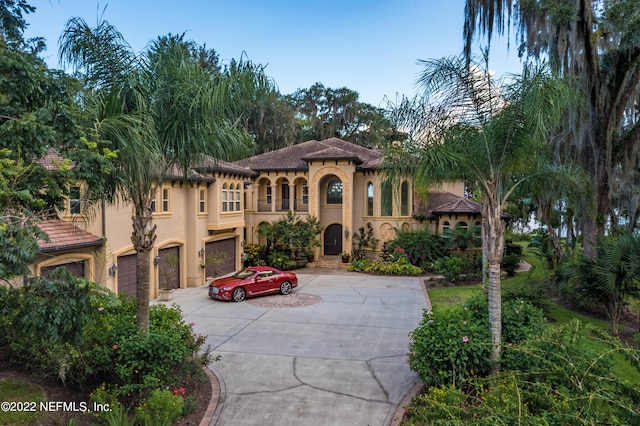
x=220, y=257
x=76, y=269
x=126, y=274
x=169, y=267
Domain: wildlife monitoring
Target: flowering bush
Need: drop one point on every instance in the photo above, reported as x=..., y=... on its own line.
x=450, y=347
x=453, y=346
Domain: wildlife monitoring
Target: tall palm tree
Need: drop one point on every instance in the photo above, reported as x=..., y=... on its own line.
x=158, y=111
x=595, y=43
x=470, y=126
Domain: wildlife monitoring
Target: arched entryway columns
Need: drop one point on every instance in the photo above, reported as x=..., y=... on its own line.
x=317, y=199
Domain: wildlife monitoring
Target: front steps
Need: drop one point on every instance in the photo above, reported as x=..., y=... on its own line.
x=328, y=262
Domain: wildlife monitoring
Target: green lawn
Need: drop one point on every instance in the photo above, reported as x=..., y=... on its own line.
x=18, y=392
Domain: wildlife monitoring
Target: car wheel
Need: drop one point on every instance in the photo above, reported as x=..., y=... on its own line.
x=285, y=287
x=238, y=294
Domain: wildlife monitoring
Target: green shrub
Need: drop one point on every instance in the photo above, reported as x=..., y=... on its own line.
x=554, y=378
x=450, y=347
x=254, y=254
x=363, y=240
x=451, y=267
x=281, y=260
x=420, y=247
x=401, y=266
x=161, y=408
x=510, y=263
x=453, y=346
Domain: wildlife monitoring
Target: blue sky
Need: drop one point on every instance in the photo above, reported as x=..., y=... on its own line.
x=370, y=46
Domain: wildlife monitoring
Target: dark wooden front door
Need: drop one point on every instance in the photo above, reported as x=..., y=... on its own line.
x=333, y=240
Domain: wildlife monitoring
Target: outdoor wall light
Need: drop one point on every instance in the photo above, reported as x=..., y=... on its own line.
x=156, y=260
x=201, y=253
x=112, y=270
x=346, y=232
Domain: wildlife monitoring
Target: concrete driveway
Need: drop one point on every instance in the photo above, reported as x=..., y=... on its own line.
x=331, y=353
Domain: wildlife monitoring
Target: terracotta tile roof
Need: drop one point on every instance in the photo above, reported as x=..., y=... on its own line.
x=295, y=157
x=446, y=202
x=52, y=160
x=65, y=236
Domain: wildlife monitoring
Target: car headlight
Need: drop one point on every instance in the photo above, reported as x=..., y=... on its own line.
x=225, y=288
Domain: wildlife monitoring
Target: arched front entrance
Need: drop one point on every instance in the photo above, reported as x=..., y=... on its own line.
x=333, y=240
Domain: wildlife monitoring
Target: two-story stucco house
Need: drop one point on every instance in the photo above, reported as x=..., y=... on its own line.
x=204, y=221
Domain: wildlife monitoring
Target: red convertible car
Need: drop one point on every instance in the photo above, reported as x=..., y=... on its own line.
x=252, y=281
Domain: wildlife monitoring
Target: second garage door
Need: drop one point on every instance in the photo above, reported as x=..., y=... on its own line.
x=126, y=274
x=169, y=267
x=220, y=257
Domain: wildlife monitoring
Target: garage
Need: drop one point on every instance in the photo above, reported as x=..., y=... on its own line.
x=126, y=274
x=220, y=257
x=77, y=269
x=169, y=268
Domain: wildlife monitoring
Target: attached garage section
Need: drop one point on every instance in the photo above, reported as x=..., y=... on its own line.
x=220, y=257
x=126, y=274
x=77, y=269
x=169, y=267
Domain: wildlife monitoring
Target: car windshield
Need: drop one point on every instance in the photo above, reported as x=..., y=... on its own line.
x=244, y=274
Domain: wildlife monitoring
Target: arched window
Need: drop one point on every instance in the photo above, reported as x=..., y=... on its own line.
x=231, y=197
x=386, y=206
x=370, y=199
x=404, y=199
x=446, y=229
x=238, y=197
x=334, y=191
x=225, y=198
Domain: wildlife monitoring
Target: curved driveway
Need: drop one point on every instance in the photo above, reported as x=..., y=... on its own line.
x=340, y=361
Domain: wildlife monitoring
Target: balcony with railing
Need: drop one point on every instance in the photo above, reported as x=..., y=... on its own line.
x=283, y=205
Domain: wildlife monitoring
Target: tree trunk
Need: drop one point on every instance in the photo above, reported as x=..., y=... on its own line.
x=493, y=228
x=143, y=239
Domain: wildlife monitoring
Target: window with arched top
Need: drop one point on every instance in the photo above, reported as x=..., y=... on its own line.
x=231, y=198
x=386, y=198
x=404, y=199
x=334, y=191
x=238, y=197
x=446, y=229
x=225, y=197
x=369, y=199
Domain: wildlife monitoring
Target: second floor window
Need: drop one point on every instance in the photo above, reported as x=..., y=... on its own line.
x=202, y=201
x=165, y=199
x=238, y=197
x=231, y=197
x=269, y=194
x=334, y=191
x=74, y=200
x=305, y=194
x=225, y=198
